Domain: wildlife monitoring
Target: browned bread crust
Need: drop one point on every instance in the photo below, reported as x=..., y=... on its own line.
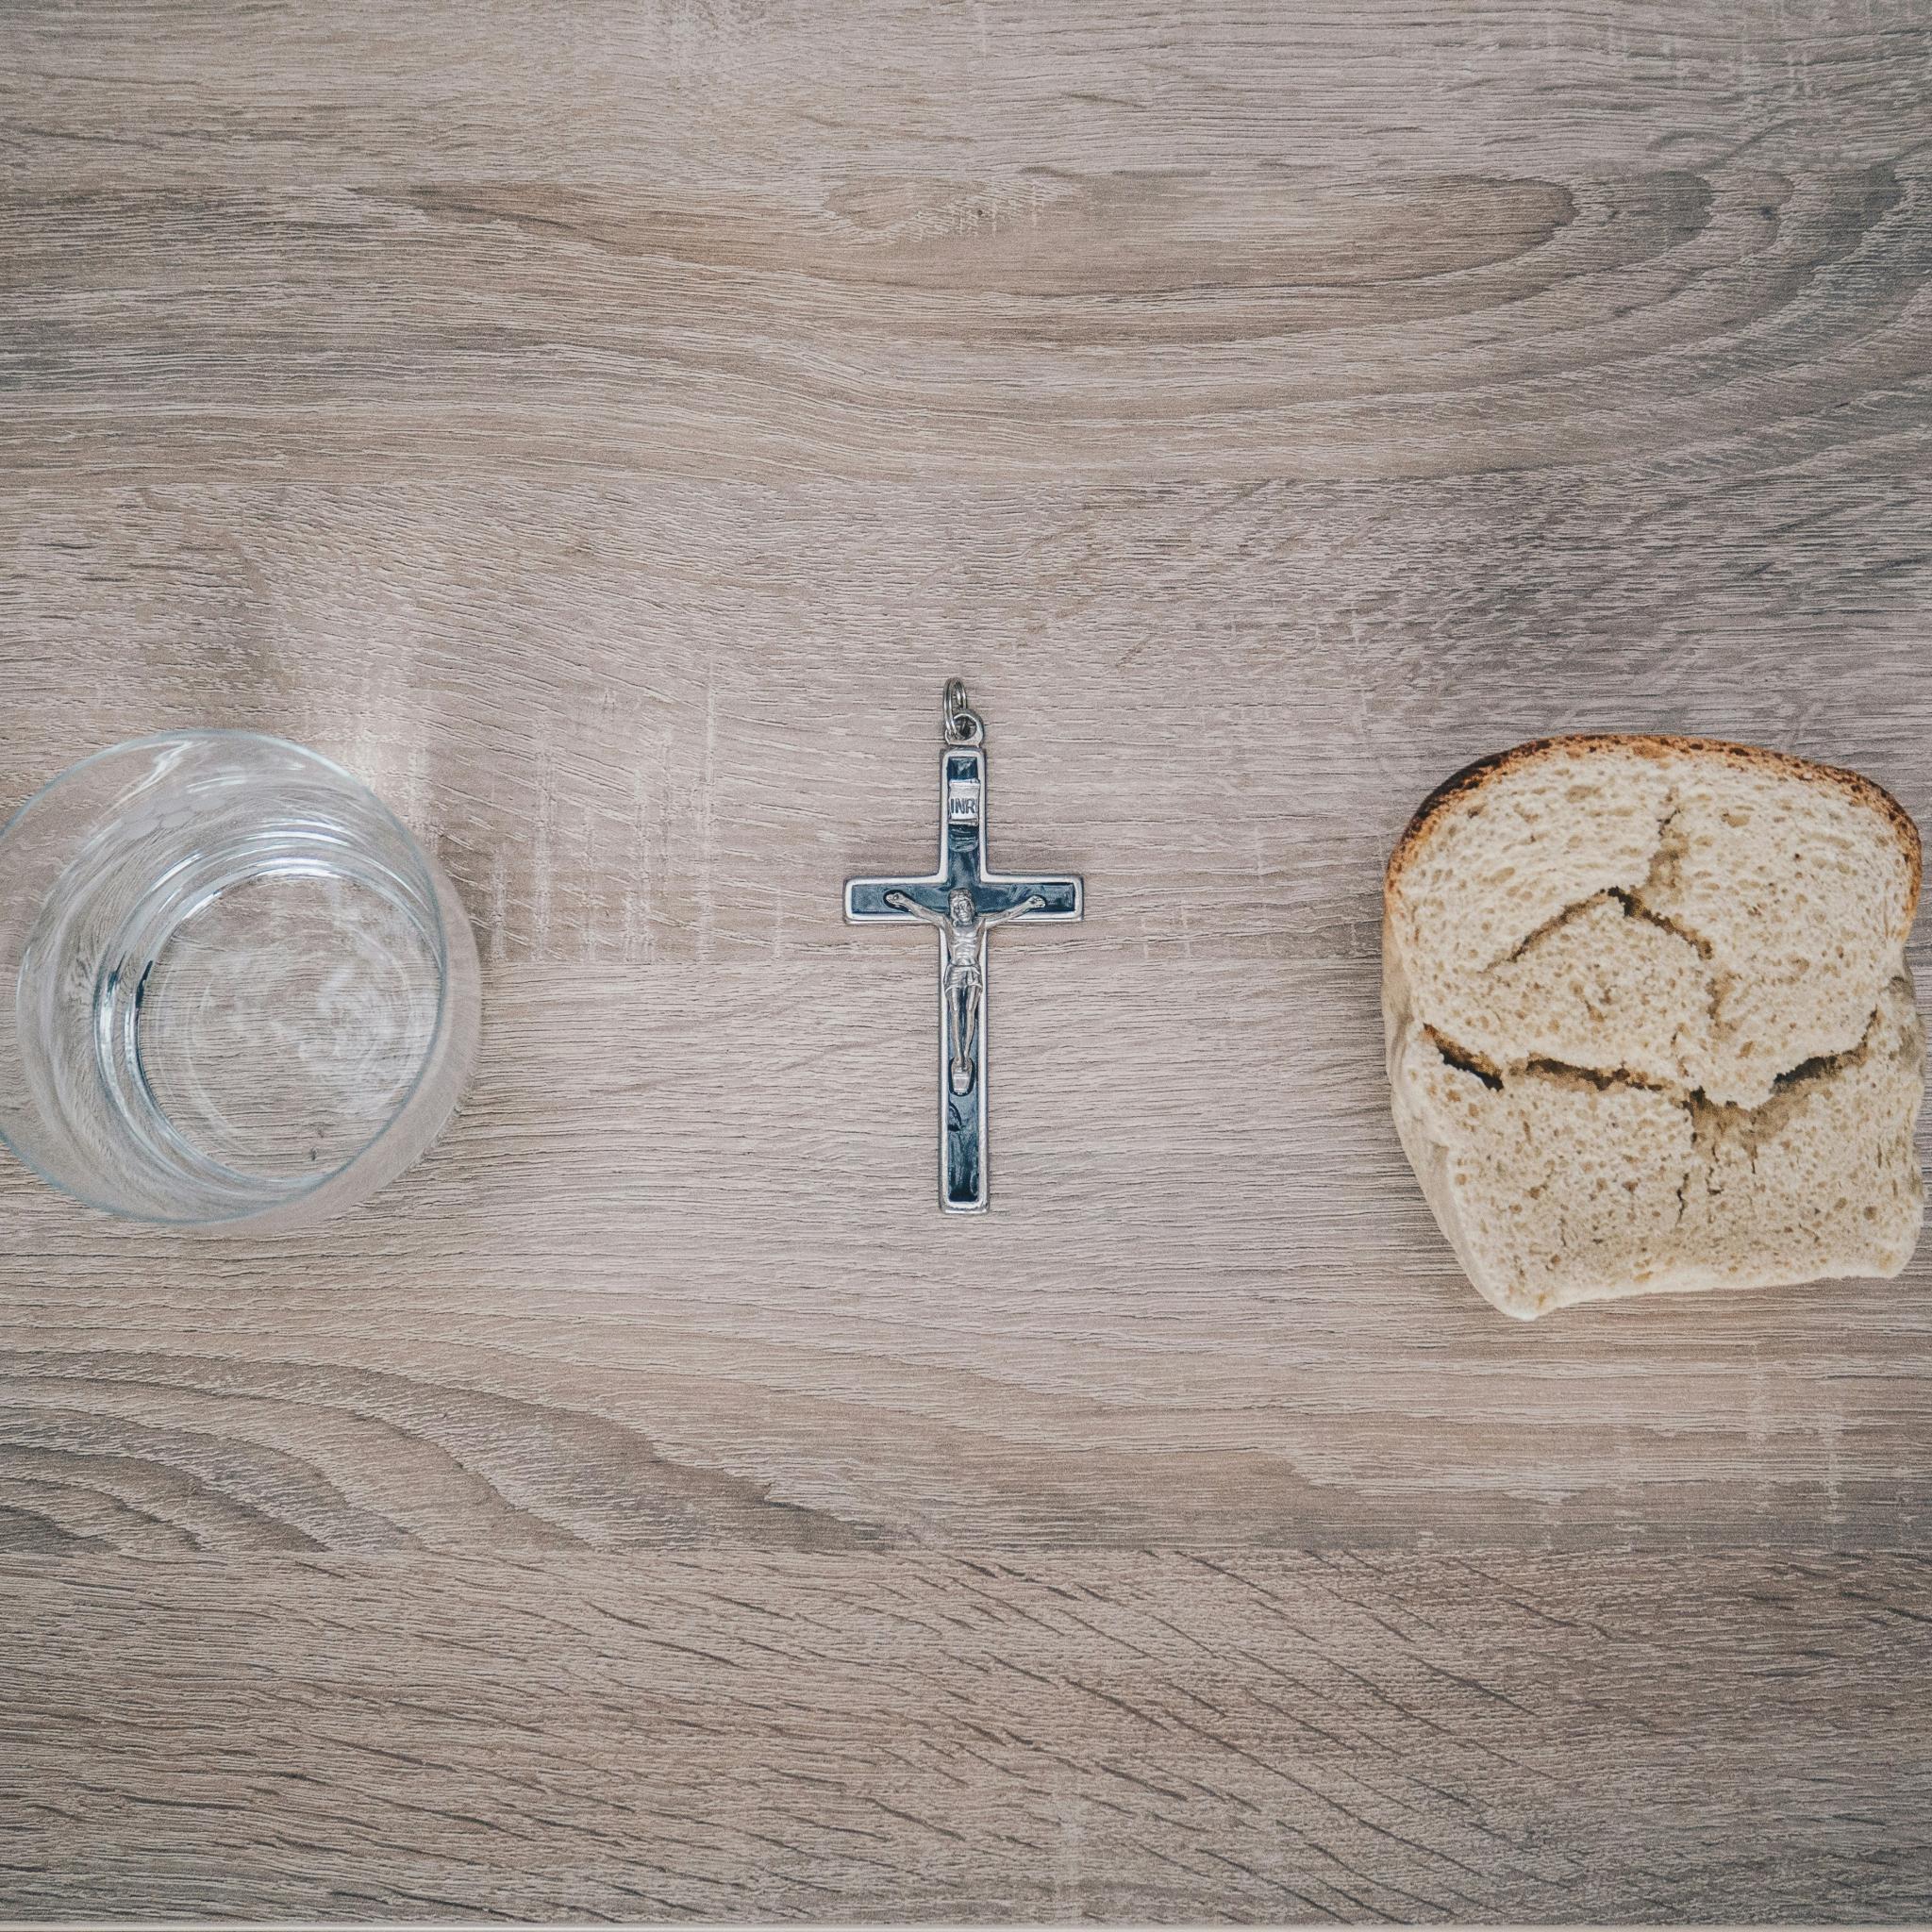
x=1583, y=744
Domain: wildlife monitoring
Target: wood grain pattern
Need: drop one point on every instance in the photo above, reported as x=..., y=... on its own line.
x=1126, y=1737
x=605, y=433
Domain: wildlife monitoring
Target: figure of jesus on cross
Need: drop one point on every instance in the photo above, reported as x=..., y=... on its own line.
x=962, y=970
x=963, y=902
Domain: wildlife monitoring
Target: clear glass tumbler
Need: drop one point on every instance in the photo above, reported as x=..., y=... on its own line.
x=241, y=996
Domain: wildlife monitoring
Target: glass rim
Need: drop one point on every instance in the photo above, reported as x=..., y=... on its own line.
x=412, y=847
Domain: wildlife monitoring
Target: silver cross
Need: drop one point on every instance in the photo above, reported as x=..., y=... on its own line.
x=963, y=902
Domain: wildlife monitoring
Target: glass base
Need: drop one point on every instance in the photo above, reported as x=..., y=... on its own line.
x=278, y=1024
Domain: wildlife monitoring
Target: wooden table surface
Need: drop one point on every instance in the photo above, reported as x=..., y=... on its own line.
x=603, y=428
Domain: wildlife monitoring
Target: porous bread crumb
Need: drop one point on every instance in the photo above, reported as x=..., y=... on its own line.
x=1649, y=1021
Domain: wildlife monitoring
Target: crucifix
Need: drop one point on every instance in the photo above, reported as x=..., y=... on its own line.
x=963, y=902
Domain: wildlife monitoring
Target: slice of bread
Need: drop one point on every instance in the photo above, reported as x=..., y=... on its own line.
x=1649, y=1022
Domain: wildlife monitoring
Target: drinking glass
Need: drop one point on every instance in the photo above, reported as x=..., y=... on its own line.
x=235, y=994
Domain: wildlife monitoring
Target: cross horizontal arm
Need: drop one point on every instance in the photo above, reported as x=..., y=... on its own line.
x=866, y=899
